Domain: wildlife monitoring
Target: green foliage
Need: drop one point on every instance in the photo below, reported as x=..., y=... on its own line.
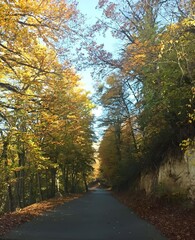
x=46, y=131
x=119, y=161
x=159, y=61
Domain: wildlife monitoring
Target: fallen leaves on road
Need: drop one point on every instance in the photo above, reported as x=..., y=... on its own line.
x=11, y=220
x=174, y=220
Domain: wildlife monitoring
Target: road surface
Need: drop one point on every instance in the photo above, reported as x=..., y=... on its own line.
x=95, y=216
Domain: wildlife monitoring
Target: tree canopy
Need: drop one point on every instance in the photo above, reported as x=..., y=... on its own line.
x=146, y=90
x=155, y=78
x=46, y=131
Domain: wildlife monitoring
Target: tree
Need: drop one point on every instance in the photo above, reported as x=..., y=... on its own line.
x=45, y=117
x=157, y=56
x=119, y=148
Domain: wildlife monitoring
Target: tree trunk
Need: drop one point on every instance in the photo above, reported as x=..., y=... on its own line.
x=31, y=195
x=64, y=178
x=85, y=183
x=11, y=199
x=118, y=140
x=47, y=184
x=67, y=180
x=21, y=176
x=7, y=178
x=53, y=182
x=39, y=187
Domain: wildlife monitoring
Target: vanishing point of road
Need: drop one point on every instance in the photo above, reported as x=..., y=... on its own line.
x=95, y=216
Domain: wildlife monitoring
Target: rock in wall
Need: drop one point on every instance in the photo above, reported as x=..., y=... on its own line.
x=176, y=175
x=189, y=158
x=148, y=181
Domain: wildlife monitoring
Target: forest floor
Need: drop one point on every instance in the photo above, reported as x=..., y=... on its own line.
x=174, y=218
x=9, y=221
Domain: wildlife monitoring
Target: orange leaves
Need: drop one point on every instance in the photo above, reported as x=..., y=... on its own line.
x=10, y=221
x=27, y=29
x=138, y=54
x=43, y=112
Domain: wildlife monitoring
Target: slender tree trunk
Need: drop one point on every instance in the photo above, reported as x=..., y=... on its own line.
x=130, y=123
x=39, y=187
x=85, y=182
x=67, y=180
x=31, y=195
x=11, y=199
x=47, y=184
x=64, y=178
x=7, y=178
x=21, y=176
x=132, y=134
x=72, y=182
x=53, y=182
x=118, y=140
x=17, y=189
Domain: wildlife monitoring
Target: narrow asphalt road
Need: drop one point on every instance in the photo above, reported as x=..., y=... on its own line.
x=95, y=216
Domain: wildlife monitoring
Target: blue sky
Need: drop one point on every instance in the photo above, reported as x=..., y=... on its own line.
x=88, y=7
